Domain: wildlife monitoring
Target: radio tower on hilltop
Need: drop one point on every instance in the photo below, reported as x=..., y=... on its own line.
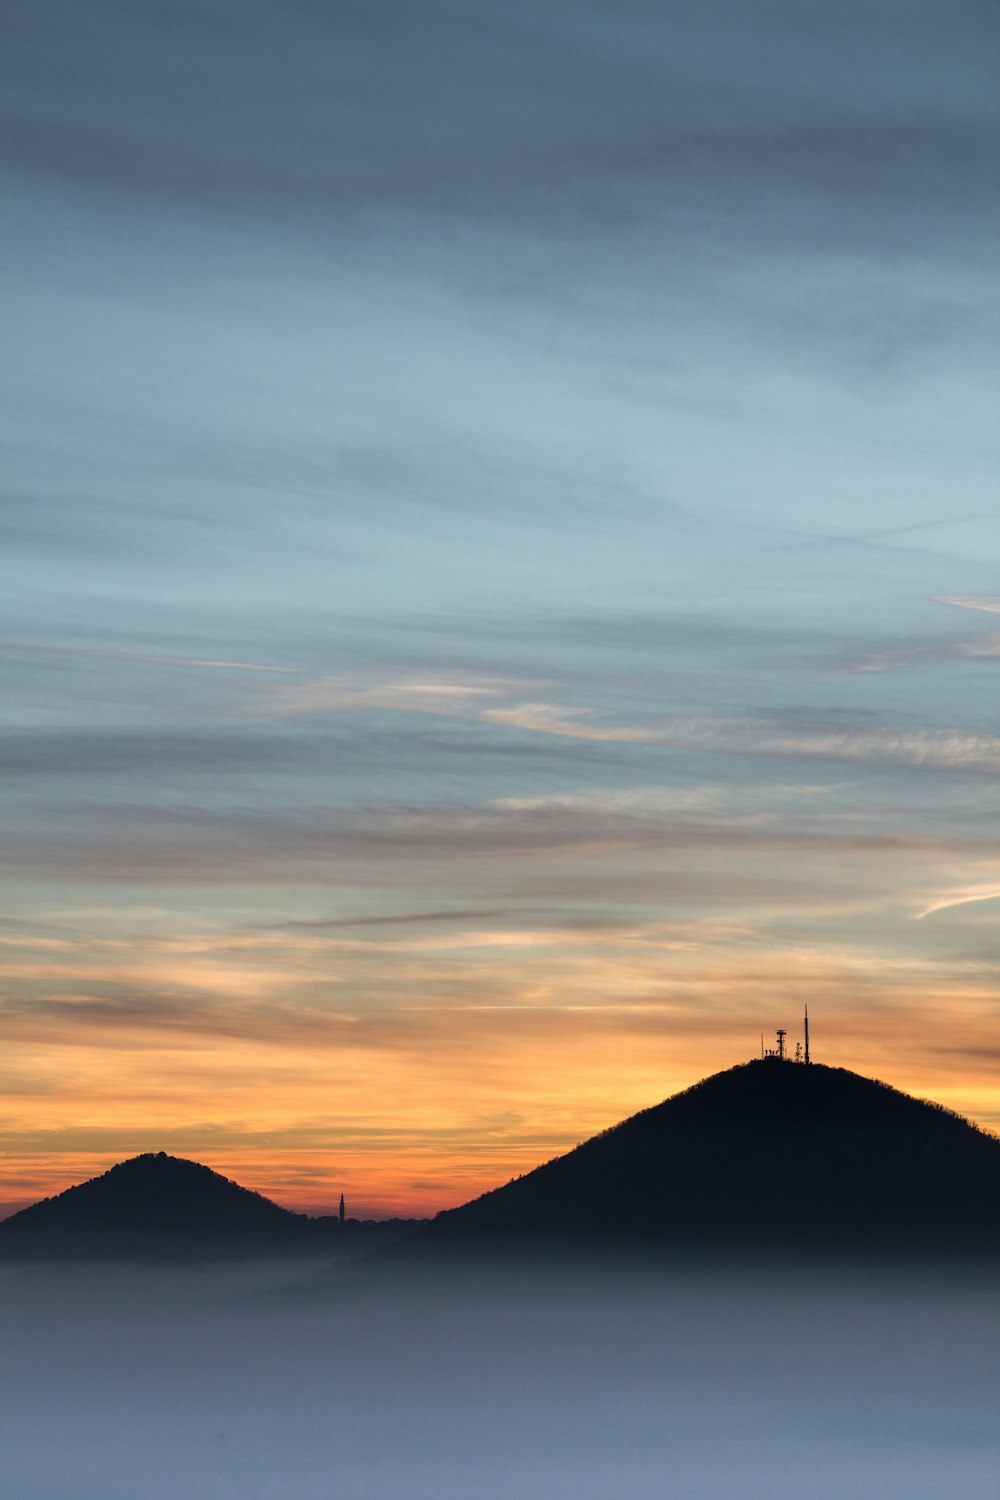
x=780, y=1052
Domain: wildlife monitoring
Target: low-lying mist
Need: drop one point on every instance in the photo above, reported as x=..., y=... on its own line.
x=288, y=1382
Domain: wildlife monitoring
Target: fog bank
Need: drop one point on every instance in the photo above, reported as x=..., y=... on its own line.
x=271, y=1382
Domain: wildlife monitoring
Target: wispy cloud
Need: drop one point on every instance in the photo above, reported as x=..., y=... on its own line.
x=982, y=646
x=988, y=603
x=976, y=647
x=966, y=896
x=462, y=697
x=920, y=749
x=449, y=696
x=147, y=659
x=574, y=724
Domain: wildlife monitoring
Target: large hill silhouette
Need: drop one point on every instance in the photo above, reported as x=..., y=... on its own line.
x=768, y=1157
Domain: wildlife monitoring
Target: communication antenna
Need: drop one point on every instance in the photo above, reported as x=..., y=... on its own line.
x=806, y=1058
x=781, y=1043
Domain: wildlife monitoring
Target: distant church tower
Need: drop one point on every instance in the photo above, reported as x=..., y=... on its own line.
x=340, y=1216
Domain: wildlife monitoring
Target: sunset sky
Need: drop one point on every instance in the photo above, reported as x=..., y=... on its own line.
x=500, y=573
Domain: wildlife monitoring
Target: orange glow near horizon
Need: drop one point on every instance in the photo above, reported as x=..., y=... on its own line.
x=468, y=1075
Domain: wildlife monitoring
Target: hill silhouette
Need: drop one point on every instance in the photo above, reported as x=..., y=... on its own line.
x=164, y=1207
x=151, y=1200
x=767, y=1157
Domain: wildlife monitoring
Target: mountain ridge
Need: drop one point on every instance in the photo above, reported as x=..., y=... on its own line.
x=770, y=1156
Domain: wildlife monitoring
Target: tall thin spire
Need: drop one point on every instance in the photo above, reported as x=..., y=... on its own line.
x=806, y=1058
x=341, y=1214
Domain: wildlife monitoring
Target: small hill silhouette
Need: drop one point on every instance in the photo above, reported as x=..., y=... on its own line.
x=767, y=1157
x=154, y=1199
x=165, y=1207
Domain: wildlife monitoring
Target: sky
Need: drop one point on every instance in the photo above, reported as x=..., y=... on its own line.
x=500, y=576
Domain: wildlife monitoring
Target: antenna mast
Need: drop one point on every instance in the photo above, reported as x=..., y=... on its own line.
x=806, y=1058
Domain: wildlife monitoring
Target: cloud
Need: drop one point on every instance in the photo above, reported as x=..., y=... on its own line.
x=739, y=851
x=949, y=750
x=462, y=697
x=448, y=696
x=988, y=603
x=550, y=718
x=137, y=764
x=131, y=754
x=581, y=116
x=675, y=978
x=963, y=897
x=406, y=919
x=978, y=647
x=145, y=657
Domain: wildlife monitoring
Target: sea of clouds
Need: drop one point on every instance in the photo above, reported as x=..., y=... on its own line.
x=301, y=1383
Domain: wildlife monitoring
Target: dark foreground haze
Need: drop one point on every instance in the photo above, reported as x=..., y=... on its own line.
x=284, y=1382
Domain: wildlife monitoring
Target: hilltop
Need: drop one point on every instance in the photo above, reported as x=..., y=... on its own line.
x=766, y=1157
